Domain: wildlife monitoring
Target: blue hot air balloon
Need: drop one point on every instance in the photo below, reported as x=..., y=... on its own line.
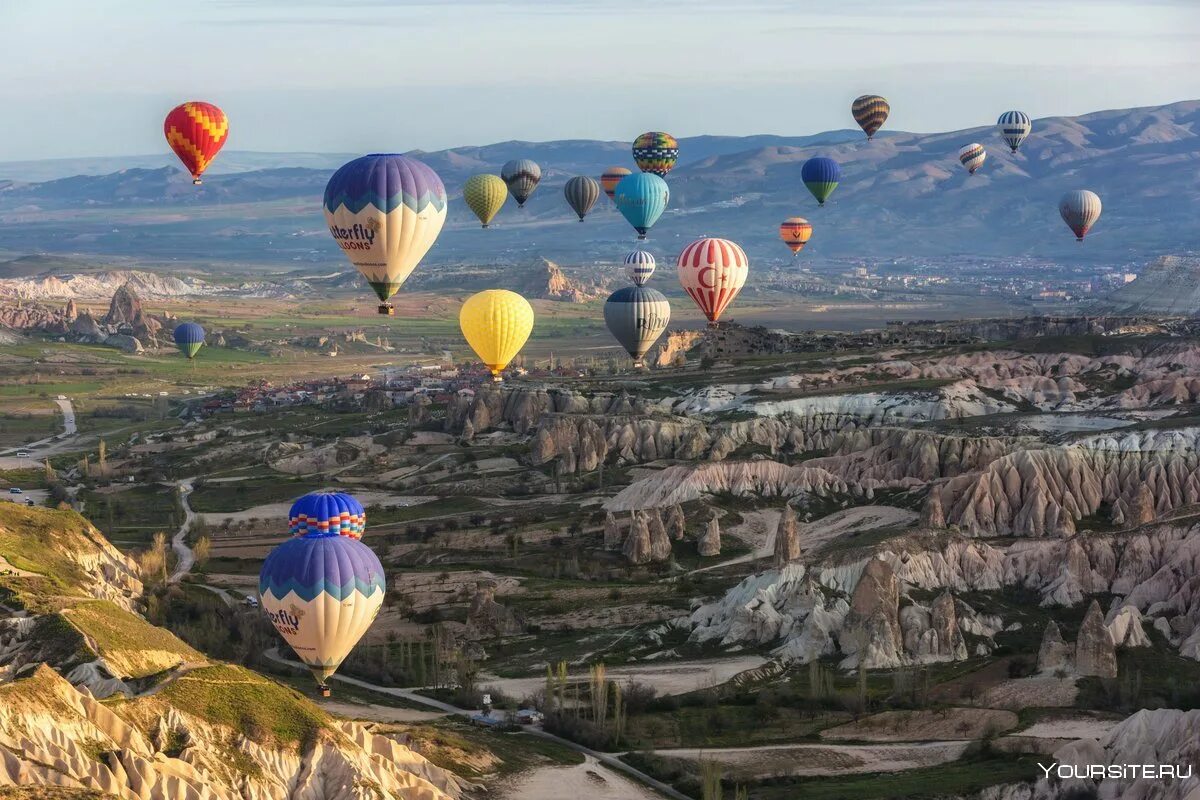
x=321, y=591
x=189, y=338
x=327, y=512
x=821, y=176
x=642, y=198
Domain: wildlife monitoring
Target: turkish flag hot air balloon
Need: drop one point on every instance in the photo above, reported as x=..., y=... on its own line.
x=712, y=272
x=196, y=132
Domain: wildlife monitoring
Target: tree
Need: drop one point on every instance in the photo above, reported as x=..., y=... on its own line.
x=599, y=694
x=710, y=780
x=102, y=459
x=202, y=550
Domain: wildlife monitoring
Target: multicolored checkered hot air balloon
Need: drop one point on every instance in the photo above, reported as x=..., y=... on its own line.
x=385, y=211
x=712, y=272
x=327, y=512
x=196, y=132
x=189, y=338
x=321, y=591
x=656, y=152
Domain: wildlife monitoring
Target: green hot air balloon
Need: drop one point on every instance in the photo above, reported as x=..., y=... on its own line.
x=636, y=316
x=582, y=193
x=189, y=338
x=485, y=196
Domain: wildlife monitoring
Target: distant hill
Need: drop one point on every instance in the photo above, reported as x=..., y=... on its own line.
x=904, y=195
x=1170, y=285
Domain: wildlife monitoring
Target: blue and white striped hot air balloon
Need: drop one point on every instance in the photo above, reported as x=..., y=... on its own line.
x=639, y=266
x=327, y=512
x=321, y=591
x=1013, y=127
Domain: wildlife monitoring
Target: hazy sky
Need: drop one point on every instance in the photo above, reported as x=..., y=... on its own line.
x=95, y=77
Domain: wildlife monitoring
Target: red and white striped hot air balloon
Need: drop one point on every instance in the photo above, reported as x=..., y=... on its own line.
x=712, y=272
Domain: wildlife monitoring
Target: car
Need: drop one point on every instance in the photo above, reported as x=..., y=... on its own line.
x=251, y=601
x=62, y=397
x=29, y=501
x=15, y=490
x=22, y=454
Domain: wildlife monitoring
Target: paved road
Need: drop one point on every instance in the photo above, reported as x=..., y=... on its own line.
x=185, y=558
x=610, y=761
x=48, y=446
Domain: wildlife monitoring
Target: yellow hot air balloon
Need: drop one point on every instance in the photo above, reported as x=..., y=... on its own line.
x=485, y=195
x=496, y=323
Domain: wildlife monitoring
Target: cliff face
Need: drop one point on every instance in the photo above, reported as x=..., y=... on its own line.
x=180, y=725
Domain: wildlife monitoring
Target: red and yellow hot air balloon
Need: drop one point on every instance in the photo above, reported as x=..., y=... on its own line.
x=712, y=272
x=795, y=233
x=196, y=132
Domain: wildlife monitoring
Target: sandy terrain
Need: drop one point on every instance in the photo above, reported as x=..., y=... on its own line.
x=586, y=781
x=853, y=520
x=818, y=759
x=674, y=678
x=1043, y=691
x=924, y=726
x=1070, y=727
x=377, y=713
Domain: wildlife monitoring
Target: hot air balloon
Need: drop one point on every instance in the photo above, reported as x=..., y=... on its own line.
x=189, y=338
x=641, y=198
x=636, y=316
x=322, y=592
x=1080, y=209
x=582, y=193
x=496, y=323
x=611, y=177
x=196, y=132
x=870, y=112
x=327, y=512
x=485, y=195
x=385, y=211
x=656, y=152
x=521, y=176
x=639, y=266
x=712, y=272
x=821, y=176
x=795, y=233
x=972, y=156
x=1014, y=126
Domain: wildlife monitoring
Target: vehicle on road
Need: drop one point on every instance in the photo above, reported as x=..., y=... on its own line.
x=15, y=490
x=22, y=454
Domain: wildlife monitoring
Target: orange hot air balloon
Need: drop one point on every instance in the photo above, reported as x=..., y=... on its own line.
x=196, y=132
x=611, y=177
x=712, y=272
x=795, y=233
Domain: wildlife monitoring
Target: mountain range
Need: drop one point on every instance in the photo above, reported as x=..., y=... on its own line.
x=902, y=195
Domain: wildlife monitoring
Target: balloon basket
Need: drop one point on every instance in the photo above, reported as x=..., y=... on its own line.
x=324, y=691
x=387, y=308
x=196, y=181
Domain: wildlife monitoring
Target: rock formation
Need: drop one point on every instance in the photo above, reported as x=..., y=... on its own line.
x=709, y=543
x=1054, y=653
x=787, y=538
x=612, y=532
x=488, y=619
x=685, y=482
x=872, y=635
x=125, y=314
x=660, y=543
x=545, y=280
x=637, y=543
x=1095, y=653
x=676, y=523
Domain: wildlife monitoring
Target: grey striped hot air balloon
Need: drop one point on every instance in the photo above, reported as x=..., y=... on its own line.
x=582, y=193
x=521, y=176
x=636, y=316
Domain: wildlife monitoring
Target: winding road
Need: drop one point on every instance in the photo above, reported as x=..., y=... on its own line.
x=185, y=559
x=610, y=761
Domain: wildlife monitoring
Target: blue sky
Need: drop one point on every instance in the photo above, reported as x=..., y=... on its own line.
x=94, y=77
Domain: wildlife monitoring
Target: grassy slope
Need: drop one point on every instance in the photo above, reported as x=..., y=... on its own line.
x=129, y=644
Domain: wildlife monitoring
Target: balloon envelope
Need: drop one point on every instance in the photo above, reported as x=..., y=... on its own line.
x=521, y=176
x=196, y=131
x=821, y=176
x=642, y=198
x=870, y=112
x=327, y=512
x=712, y=272
x=582, y=193
x=321, y=592
x=485, y=196
x=189, y=338
x=611, y=177
x=1013, y=127
x=656, y=152
x=636, y=316
x=385, y=211
x=1080, y=209
x=972, y=156
x=639, y=266
x=795, y=233
x=496, y=323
